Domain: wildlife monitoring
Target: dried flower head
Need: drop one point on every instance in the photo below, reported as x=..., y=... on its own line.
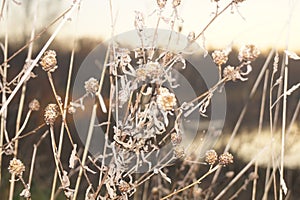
x=124, y=186
x=176, y=138
x=220, y=57
x=161, y=3
x=179, y=151
x=71, y=109
x=16, y=167
x=233, y=74
x=25, y=193
x=48, y=61
x=34, y=105
x=165, y=99
x=176, y=3
x=225, y=159
x=211, y=157
x=91, y=86
x=51, y=113
x=248, y=53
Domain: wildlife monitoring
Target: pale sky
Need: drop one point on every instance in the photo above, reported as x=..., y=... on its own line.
x=266, y=23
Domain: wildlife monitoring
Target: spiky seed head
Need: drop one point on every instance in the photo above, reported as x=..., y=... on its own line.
x=51, y=113
x=220, y=57
x=211, y=157
x=225, y=159
x=48, y=61
x=16, y=167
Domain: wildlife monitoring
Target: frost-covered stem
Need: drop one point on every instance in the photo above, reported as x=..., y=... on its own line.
x=54, y=151
x=23, y=126
x=210, y=171
x=86, y=148
x=35, y=61
x=60, y=107
x=35, y=147
x=61, y=135
x=4, y=81
x=261, y=119
x=213, y=19
x=283, y=133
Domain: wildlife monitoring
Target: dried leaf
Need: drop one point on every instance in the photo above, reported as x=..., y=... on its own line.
x=73, y=157
x=164, y=176
x=26, y=193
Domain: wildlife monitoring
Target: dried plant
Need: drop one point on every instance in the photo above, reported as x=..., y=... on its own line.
x=144, y=156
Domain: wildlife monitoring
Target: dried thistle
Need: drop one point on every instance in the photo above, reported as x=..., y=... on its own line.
x=48, y=61
x=16, y=167
x=211, y=157
x=220, y=57
x=34, y=105
x=225, y=159
x=51, y=113
x=248, y=53
x=91, y=86
x=165, y=99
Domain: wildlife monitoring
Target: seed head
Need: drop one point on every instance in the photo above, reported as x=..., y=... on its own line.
x=178, y=151
x=225, y=159
x=161, y=3
x=91, y=86
x=176, y=139
x=124, y=186
x=211, y=157
x=34, y=105
x=176, y=3
x=51, y=113
x=165, y=99
x=16, y=167
x=248, y=53
x=220, y=57
x=48, y=61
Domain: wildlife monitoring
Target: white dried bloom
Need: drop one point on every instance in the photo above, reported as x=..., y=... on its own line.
x=16, y=167
x=71, y=109
x=233, y=74
x=154, y=69
x=34, y=105
x=51, y=113
x=165, y=99
x=48, y=61
x=248, y=53
x=91, y=86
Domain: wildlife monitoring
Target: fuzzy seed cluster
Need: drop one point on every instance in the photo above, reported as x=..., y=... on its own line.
x=51, y=113
x=16, y=167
